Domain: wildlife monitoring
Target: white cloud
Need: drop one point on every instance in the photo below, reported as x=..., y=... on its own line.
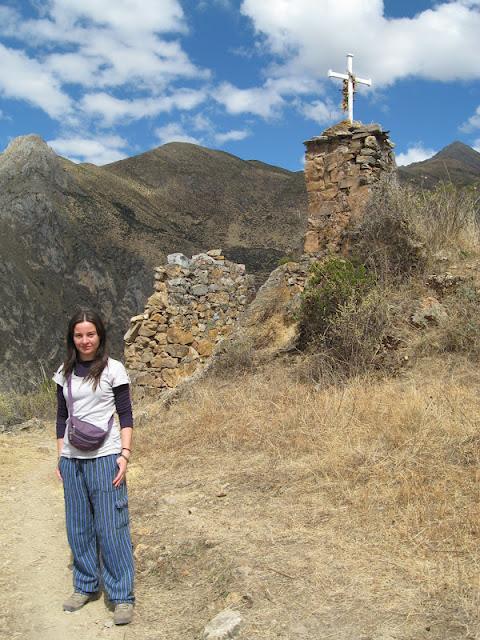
x=472, y=123
x=476, y=145
x=417, y=153
x=174, y=132
x=229, y=136
x=440, y=43
x=260, y=101
x=100, y=44
x=100, y=150
x=112, y=110
x=320, y=112
x=25, y=79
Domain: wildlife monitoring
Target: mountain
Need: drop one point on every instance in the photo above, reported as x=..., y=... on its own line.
x=78, y=234
x=457, y=163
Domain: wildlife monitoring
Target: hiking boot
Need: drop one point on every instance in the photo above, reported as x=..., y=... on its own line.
x=76, y=601
x=123, y=613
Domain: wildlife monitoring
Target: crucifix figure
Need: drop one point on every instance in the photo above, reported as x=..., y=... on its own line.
x=350, y=81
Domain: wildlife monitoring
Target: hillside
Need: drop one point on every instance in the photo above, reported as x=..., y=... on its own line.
x=85, y=235
x=457, y=163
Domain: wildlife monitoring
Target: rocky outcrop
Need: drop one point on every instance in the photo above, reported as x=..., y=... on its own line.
x=340, y=167
x=196, y=303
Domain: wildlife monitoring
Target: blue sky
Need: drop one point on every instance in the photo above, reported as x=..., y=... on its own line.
x=101, y=80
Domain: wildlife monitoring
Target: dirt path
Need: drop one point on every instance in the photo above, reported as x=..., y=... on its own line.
x=34, y=556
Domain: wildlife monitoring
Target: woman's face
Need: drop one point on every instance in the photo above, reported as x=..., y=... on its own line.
x=86, y=340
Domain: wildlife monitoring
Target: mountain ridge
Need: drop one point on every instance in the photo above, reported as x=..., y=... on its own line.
x=81, y=235
x=457, y=163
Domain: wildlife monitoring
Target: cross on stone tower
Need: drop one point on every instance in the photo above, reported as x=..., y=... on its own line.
x=351, y=81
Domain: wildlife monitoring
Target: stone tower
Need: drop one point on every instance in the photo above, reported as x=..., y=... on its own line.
x=340, y=167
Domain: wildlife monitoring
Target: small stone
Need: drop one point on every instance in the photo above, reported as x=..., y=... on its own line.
x=158, y=300
x=225, y=625
x=199, y=289
x=176, y=335
x=161, y=362
x=177, y=350
x=146, y=332
x=132, y=332
x=179, y=259
x=203, y=347
x=214, y=253
x=171, y=377
x=371, y=141
x=429, y=311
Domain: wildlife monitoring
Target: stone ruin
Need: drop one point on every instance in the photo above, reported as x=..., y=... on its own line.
x=341, y=165
x=196, y=303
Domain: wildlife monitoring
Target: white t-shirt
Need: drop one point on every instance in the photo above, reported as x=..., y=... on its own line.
x=96, y=407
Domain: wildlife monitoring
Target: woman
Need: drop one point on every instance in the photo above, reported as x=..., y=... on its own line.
x=93, y=474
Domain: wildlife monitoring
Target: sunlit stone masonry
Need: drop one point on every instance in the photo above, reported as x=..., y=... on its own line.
x=341, y=166
x=195, y=304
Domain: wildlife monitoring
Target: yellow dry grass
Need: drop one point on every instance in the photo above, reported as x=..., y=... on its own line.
x=347, y=511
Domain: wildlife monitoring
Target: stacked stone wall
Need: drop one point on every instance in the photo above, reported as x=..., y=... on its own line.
x=196, y=303
x=341, y=166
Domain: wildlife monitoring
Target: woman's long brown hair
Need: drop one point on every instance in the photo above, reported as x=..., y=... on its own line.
x=101, y=357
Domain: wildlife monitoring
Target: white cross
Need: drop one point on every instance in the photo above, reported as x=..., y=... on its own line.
x=351, y=80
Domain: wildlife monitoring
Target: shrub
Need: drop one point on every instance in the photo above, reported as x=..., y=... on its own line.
x=404, y=227
x=388, y=239
x=332, y=283
x=20, y=407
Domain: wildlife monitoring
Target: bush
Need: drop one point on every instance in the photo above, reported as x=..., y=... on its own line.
x=16, y=408
x=404, y=227
x=332, y=283
x=344, y=317
x=388, y=239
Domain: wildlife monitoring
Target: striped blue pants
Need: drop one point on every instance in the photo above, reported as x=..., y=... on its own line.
x=97, y=525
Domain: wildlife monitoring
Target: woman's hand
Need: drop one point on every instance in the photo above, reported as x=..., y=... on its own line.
x=122, y=471
x=58, y=474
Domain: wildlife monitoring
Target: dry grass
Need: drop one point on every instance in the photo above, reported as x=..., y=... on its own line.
x=16, y=408
x=405, y=227
x=355, y=507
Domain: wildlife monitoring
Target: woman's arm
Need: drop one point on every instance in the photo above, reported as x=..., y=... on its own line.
x=123, y=406
x=122, y=460
x=62, y=414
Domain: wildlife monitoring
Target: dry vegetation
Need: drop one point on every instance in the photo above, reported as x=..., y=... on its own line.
x=349, y=509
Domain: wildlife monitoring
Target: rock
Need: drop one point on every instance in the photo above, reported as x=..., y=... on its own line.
x=214, y=253
x=371, y=141
x=146, y=331
x=203, y=347
x=158, y=300
x=33, y=423
x=225, y=625
x=172, y=377
x=445, y=282
x=179, y=259
x=176, y=335
x=429, y=311
x=132, y=332
x=177, y=350
x=200, y=290
x=161, y=362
